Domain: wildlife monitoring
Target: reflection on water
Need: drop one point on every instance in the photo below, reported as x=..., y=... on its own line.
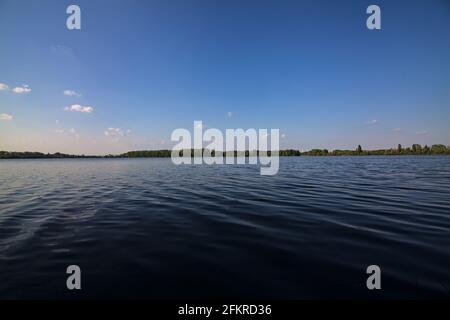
x=146, y=228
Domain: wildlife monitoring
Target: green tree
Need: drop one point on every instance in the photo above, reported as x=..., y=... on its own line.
x=438, y=149
x=416, y=148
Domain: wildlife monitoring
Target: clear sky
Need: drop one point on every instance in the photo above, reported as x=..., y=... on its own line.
x=137, y=70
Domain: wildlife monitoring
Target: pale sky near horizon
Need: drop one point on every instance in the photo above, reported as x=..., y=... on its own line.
x=139, y=69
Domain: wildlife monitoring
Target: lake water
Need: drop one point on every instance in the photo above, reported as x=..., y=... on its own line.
x=144, y=228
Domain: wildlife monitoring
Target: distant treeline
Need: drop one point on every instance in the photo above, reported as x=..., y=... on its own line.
x=39, y=155
x=415, y=149
x=193, y=152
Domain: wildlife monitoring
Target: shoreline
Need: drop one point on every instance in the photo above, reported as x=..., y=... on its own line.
x=414, y=150
x=164, y=157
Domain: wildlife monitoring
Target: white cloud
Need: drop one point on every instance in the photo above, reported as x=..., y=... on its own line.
x=397, y=129
x=113, y=132
x=229, y=114
x=283, y=136
x=4, y=86
x=6, y=117
x=23, y=89
x=374, y=121
x=423, y=132
x=79, y=108
x=71, y=93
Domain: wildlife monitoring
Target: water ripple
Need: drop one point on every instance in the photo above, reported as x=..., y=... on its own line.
x=147, y=228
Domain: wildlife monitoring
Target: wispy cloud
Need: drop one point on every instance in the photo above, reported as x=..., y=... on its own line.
x=4, y=86
x=372, y=122
x=79, y=108
x=230, y=114
x=67, y=132
x=71, y=93
x=397, y=129
x=61, y=49
x=6, y=117
x=21, y=89
x=421, y=133
x=113, y=132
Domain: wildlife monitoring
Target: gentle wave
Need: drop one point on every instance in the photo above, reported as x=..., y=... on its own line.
x=148, y=229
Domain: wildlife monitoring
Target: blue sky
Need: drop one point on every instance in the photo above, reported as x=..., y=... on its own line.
x=310, y=68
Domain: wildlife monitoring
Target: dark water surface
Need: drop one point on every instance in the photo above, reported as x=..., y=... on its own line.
x=148, y=229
